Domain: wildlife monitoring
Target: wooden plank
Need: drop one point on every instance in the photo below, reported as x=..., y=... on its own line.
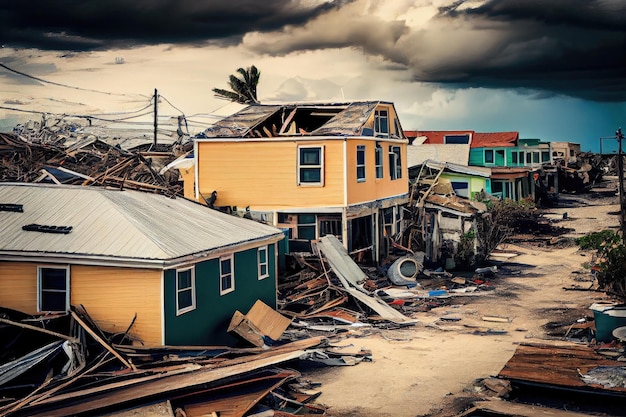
x=136, y=388
x=103, y=342
x=287, y=121
x=162, y=409
x=235, y=400
x=39, y=329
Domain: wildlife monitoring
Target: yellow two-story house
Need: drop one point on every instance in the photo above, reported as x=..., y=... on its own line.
x=310, y=169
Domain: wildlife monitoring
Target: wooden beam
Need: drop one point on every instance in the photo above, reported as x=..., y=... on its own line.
x=103, y=342
x=40, y=330
x=135, y=388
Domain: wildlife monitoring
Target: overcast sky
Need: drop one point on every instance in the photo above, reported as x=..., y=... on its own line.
x=550, y=69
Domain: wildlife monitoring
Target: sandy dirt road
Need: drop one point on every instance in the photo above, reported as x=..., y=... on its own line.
x=429, y=368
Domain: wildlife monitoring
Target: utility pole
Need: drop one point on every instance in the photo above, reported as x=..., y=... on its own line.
x=620, y=167
x=156, y=101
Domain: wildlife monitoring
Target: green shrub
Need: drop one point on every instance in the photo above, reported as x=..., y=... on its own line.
x=597, y=240
x=611, y=260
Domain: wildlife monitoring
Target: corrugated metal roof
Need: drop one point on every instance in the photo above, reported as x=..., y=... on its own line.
x=493, y=139
x=418, y=154
x=118, y=224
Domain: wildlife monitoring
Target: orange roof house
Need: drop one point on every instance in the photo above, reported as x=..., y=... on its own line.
x=495, y=139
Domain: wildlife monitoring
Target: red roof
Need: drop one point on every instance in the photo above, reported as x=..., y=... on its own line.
x=493, y=139
x=436, y=136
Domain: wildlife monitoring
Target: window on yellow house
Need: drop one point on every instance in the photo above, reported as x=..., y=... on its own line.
x=381, y=123
x=379, y=161
x=360, y=163
x=54, y=288
x=395, y=162
x=310, y=165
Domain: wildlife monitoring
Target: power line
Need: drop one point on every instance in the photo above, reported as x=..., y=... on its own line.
x=168, y=102
x=23, y=74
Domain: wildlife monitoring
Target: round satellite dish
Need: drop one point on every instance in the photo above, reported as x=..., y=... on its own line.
x=620, y=333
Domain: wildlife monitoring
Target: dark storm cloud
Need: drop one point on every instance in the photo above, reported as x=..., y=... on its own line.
x=92, y=24
x=571, y=47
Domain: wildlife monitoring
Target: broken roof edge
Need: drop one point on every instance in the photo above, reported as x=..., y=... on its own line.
x=461, y=169
x=342, y=122
x=322, y=103
x=300, y=138
x=428, y=204
x=128, y=262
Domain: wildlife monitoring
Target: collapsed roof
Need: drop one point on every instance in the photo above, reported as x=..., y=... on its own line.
x=319, y=119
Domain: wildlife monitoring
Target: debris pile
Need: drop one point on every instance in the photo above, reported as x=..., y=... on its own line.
x=67, y=157
x=64, y=364
x=330, y=293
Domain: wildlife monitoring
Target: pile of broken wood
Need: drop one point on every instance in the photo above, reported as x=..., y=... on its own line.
x=87, y=161
x=64, y=364
x=331, y=293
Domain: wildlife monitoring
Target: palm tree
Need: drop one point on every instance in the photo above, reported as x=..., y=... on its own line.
x=243, y=86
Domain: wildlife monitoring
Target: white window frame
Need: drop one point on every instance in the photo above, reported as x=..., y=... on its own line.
x=191, y=288
x=395, y=162
x=381, y=119
x=378, y=156
x=302, y=166
x=230, y=259
x=40, y=289
x=360, y=168
x=261, y=263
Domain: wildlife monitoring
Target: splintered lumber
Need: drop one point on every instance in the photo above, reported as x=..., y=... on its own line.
x=135, y=388
x=162, y=409
x=235, y=400
x=102, y=342
x=39, y=329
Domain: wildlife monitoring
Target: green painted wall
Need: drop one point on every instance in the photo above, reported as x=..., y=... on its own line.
x=477, y=157
x=476, y=184
x=208, y=323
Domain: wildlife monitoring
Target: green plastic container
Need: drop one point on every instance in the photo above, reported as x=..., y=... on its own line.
x=608, y=317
